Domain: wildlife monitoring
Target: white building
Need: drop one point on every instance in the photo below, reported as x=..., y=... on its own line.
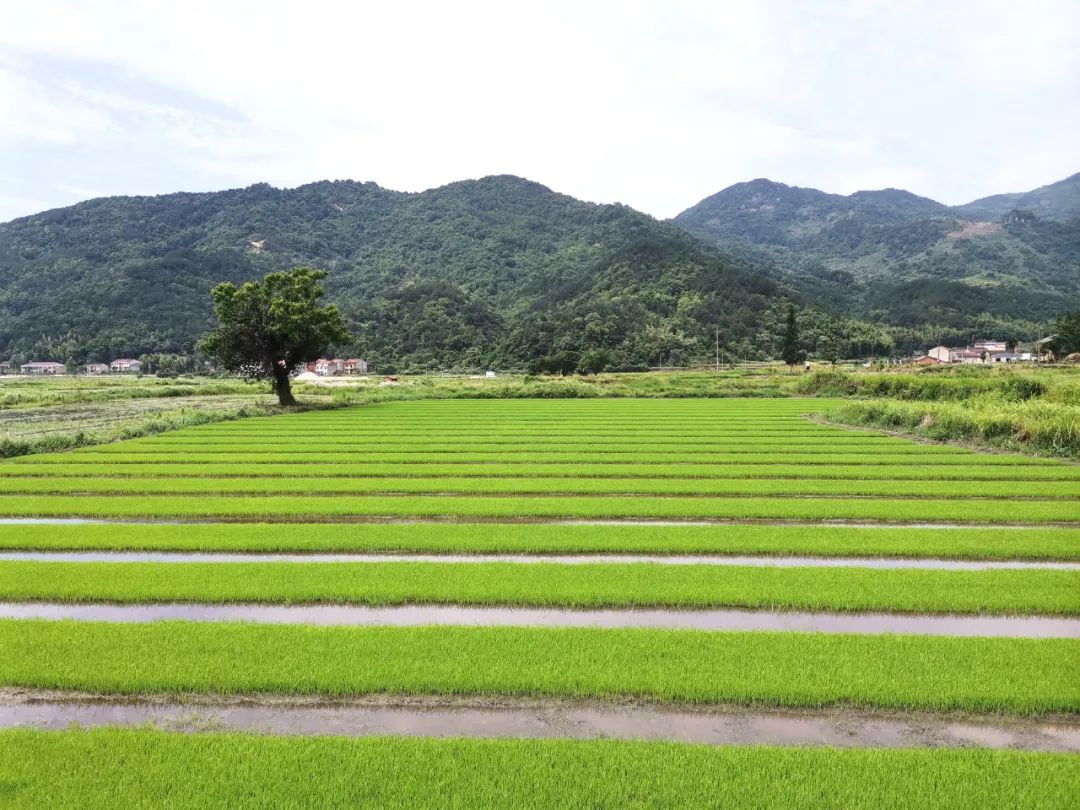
x=43, y=367
x=124, y=365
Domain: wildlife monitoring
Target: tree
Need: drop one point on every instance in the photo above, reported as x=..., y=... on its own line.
x=1066, y=333
x=594, y=361
x=829, y=348
x=267, y=329
x=789, y=343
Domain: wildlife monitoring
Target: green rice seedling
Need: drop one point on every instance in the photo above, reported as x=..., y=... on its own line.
x=548, y=585
x=1020, y=478
x=1045, y=543
x=1019, y=676
x=107, y=768
x=296, y=485
x=896, y=510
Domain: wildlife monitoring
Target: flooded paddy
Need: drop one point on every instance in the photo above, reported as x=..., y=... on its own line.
x=425, y=717
x=451, y=615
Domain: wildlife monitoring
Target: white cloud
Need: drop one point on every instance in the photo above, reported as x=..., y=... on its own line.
x=654, y=104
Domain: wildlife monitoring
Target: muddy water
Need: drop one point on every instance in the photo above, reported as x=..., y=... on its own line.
x=525, y=559
x=49, y=521
x=839, y=728
x=413, y=615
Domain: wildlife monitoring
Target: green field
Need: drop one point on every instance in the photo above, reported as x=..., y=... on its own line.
x=78, y=769
x=525, y=476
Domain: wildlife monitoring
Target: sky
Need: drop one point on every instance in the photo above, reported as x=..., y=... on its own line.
x=652, y=104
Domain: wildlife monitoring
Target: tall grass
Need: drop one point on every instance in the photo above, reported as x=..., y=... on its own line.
x=159, y=423
x=1045, y=427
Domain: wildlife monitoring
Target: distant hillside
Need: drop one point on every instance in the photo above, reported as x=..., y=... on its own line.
x=1002, y=264
x=492, y=272
x=1060, y=201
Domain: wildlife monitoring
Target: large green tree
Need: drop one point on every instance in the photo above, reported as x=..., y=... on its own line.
x=267, y=329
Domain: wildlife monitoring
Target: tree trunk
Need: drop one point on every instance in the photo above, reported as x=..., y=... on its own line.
x=283, y=387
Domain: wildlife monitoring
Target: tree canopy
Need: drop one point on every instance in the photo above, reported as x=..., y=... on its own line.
x=268, y=328
x=1066, y=333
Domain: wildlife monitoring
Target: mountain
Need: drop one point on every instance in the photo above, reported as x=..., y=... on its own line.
x=493, y=272
x=1004, y=264
x=1060, y=201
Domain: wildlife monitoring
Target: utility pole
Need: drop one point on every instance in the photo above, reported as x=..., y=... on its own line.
x=718, y=350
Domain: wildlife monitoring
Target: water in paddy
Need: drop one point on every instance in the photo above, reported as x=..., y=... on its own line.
x=539, y=720
x=453, y=615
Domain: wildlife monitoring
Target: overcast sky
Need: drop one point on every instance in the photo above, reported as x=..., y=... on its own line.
x=653, y=104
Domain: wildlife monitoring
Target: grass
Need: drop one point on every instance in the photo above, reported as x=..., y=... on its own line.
x=109, y=768
x=548, y=585
x=63, y=429
x=821, y=541
x=1020, y=676
x=533, y=486
x=896, y=510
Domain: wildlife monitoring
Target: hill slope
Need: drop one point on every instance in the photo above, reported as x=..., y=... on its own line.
x=498, y=271
x=907, y=260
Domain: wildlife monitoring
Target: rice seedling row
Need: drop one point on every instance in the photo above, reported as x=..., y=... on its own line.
x=537, y=486
x=1020, y=676
x=1034, y=592
x=360, y=469
x=78, y=769
x=562, y=457
x=1046, y=543
x=546, y=507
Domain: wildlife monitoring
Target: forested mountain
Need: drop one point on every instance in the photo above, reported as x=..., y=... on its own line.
x=493, y=272
x=1000, y=265
x=502, y=272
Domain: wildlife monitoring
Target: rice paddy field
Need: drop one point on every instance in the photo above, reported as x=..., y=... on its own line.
x=524, y=602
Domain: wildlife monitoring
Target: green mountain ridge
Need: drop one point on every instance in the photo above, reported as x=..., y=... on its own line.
x=504, y=272
x=493, y=272
x=909, y=261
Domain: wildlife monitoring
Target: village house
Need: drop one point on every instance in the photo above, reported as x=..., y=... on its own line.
x=96, y=368
x=354, y=365
x=928, y=360
x=324, y=367
x=5, y=367
x=43, y=367
x=982, y=351
x=124, y=365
